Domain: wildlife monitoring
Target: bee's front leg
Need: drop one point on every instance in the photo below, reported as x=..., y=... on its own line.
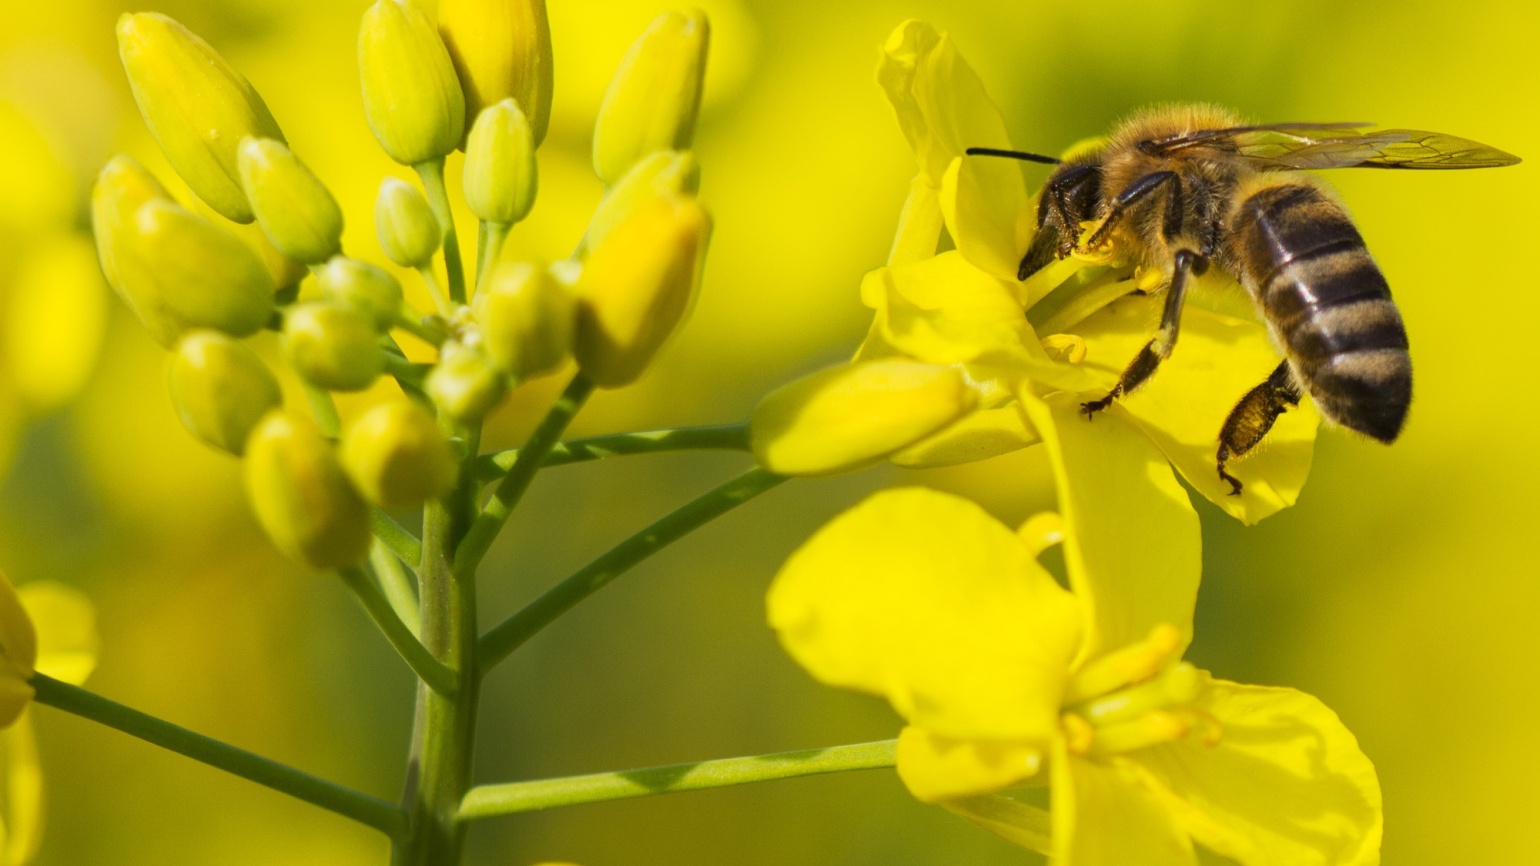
x=1188, y=264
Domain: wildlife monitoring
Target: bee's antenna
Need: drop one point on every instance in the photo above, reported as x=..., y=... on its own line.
x=1013, y=154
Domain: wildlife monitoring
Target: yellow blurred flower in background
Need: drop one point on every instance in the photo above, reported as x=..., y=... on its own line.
x=1006, y=679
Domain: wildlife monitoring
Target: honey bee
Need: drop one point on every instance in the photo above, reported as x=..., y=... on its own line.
x=1182, y=188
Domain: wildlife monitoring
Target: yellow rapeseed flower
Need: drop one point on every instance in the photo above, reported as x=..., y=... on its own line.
x=1008, y=680
x=1084, y=319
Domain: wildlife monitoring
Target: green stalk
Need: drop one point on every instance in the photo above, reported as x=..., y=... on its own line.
x=489, y=247
x=398, y=584
x=326, y=417
x=432, y=174
x=514, y=631
x=428, y=669
x=367, y=810
x=489, y=801
x=444, y=735
x=490, y=521
x=729, y=437
x=396, y=537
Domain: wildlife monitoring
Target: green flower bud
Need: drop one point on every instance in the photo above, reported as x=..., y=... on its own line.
x=363, y=287
x=854, y=415
x=465, y=385
x=526, y=319
x=196, y=105
x=500, y=174
x=207, y=276
x=121, y=188
x=295, y=209
x=501, y=50
x=333, y=347
x=397, y=456
x=637, y=286
x=302, y=497
x=411, y=96
x=659, y=173
x=408, y=231
x=221, y=389
x=653, y=100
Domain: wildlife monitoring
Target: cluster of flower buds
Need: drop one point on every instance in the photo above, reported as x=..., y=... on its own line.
x=479, y=78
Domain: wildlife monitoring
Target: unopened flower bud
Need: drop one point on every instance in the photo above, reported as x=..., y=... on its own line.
x=661, y=172
x=465, y=385
x=637, y=286
x=854, y=415
x=196, y=105
x=526, y=319
x=221, y=389
x=294, y=208
x=412, y=98
x=500, y=174
x=333, y=347
x=121, y=188
x=409, y=232
x=397, y=456
x=302, y=497
x=361, y=286
x=653, y=100
x=207, y=276
x=501, y=49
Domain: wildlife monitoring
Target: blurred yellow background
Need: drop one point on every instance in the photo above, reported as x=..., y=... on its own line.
x=1402, y=589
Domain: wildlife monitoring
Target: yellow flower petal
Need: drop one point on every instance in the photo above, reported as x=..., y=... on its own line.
x=1132, y=539
x=1102, y=818
x=66, y=629
x=21, y=775
x=976, y=436
x=854, y=415
x=1287, y=783
x=924, y=598
x=18, y=654
x=943, y=110
x=919, y=225
x=1217, y=359
x=936, y=768
x=987, y=213
x=1012, y=820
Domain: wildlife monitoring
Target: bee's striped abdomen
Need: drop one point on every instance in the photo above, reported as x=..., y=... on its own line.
x=1330, y=305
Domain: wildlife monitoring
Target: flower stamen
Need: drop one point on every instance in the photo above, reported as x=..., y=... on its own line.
x=1127, y=666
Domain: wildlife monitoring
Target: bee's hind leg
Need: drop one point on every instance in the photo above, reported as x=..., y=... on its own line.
x=1253, y=417
x=1188, y=264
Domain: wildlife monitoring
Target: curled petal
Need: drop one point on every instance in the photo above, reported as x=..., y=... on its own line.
x=1101, y=817
x=1132, y=544
x=936, y=768
x=1286, y=784
x=924, y=598
x=1217, y=359
x=943, y=110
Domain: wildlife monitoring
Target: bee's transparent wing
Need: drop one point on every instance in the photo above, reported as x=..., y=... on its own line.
x=1337, y=145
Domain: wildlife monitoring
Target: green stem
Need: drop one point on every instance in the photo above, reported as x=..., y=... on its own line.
x=396, y=537
x=444, y=735
x=406, y=372
x=492, y=517
x=489, y=247
x=430, y=331
x=733, y=437
x=429, y=279
x=408, y=386
x=489, y=801
x=367, y=810
x=325, y=411
x=496, y=644
x=398, y=584
x=432, y=174
x=428, y=669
